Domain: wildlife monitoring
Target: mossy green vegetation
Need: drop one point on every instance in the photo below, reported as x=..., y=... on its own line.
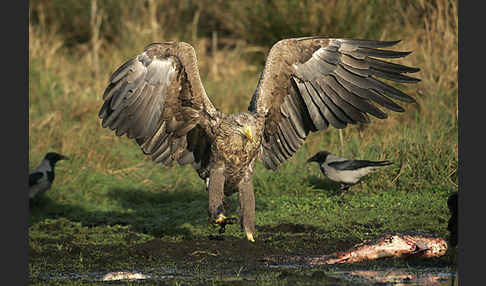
x=112, y=209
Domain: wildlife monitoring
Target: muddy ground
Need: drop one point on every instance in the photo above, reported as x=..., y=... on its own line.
x=278, y=257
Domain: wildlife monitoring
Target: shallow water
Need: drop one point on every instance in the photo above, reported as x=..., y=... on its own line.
x=435, y=277
x=391, y=276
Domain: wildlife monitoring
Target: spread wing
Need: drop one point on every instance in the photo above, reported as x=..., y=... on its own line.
x=311, y=83
x=158, y=99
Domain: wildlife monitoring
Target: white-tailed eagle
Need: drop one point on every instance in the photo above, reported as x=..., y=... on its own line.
x=307, y=85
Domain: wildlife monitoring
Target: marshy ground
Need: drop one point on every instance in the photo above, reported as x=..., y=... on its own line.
x=204, y=260
x=70, y=245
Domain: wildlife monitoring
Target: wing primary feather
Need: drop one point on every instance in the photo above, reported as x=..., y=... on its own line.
x=162, y=153
x=318, y=121
x=121, y=125
x=286, y=135
x=359, y=72
x=155, y=111
x=117, y=97
x=370, y=43
x=351, y=94
x=160, y=145
x=397, y=77
x=290, y=136
x=283, y=145
x=354, y=62
x=390, y=91
x=391, y=67
x=295, y=118
x=153, y=142
x=132, y=100
x=271, y=153
x=110, y=118
x=352, y=78
x=380, y=53
x=301, y=107
x=126, y=119
x=352, y=112
x=274, y=159
x=111, y=89
x=122, y=70
x=393, y=76
x=358, y=97
x=129, y=85
x=372, y=83
x=104, y=110
x=277, y=148
x=140, y=112
x=325, y=111
x=384, y=101
x=145, y=123
x=336, y=111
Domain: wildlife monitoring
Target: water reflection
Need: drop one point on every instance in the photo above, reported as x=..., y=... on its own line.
x=395, y=277
x=400, y=277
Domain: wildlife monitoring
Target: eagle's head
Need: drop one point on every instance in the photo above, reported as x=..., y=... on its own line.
x=246, y=126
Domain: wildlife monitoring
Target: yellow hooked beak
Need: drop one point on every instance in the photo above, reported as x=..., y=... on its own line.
x=248, y=134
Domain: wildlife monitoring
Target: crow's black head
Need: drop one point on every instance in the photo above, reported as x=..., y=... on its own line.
x=319, y=157
x=53, y=157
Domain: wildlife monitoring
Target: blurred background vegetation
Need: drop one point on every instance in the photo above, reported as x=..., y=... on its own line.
x=74, y=46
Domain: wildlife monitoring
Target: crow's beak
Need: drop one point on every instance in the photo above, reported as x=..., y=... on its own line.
x=64, y=157
x=312, y=159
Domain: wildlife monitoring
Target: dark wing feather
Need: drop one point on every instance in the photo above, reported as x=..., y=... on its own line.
x=356, y=164
x=157, y=98
x=34, y=178
x=311, y=83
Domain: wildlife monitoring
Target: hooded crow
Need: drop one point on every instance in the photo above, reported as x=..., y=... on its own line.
x=345, y=171
x=41, y=178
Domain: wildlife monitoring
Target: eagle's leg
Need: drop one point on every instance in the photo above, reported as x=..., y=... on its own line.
x=216, y=194
x=247, y=207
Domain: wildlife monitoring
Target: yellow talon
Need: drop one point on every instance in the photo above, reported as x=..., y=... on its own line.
x=220, y=218
x=249, y=235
